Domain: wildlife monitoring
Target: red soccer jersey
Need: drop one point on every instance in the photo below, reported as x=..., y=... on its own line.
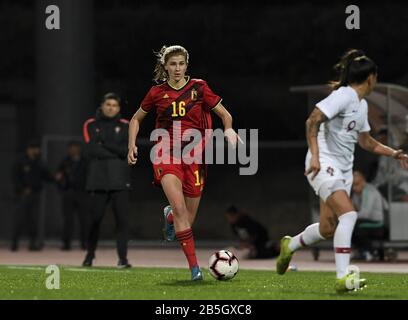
x=191, y=105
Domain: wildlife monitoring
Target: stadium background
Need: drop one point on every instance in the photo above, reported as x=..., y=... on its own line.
x=250, y=54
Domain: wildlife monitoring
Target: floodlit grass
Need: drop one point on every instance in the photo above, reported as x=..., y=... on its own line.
x=20, y=282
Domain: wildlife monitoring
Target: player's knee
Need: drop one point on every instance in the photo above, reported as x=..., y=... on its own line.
x=327, y=231
x=179, y=210
x=328, y=234
x=340, y=202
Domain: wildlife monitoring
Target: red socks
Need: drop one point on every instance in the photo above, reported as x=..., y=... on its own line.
x=186, y=240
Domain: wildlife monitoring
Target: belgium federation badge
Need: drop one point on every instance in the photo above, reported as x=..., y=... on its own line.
x=193, y=94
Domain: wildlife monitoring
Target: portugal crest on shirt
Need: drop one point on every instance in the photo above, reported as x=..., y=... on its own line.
x=117, y=129
x=330, y=171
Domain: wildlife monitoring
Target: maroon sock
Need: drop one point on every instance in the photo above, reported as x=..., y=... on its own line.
x=186, y=240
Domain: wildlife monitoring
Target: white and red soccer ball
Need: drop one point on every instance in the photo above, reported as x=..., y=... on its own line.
x=223, y=265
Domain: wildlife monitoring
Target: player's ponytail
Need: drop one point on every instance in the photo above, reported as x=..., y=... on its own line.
x=162, y=56
x=353, y=67
x=159, y=72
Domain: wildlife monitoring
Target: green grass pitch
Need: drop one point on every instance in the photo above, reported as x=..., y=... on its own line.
x=21, y=282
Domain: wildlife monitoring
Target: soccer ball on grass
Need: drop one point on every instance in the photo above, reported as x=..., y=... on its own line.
x=223, y=265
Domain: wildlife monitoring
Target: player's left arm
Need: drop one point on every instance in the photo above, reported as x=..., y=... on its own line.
x=226, y=118
x=367, y=142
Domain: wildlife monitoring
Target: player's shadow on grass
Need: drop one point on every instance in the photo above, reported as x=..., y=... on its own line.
x=205, y=282
x=188, y=283
x=362, y=296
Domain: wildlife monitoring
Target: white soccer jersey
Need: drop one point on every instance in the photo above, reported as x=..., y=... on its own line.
x=347, y=117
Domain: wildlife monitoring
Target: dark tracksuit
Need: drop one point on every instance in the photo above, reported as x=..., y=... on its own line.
x=29, y=176
x=108, y=176
x=252, y=232
x=74, y=198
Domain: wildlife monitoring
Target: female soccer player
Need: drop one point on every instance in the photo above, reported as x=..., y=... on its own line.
x=180, y=103
x=333, y=128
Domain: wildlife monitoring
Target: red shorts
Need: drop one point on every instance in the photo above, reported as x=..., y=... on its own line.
x=192, y=176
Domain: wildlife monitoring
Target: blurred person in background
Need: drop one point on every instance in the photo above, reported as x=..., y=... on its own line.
x=370, y=206
x=253, y=237
x=388, y=171
x=108, y=175
x=71, y=178
x=30, y=173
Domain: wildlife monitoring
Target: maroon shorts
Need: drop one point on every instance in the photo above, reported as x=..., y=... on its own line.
x=192, y=176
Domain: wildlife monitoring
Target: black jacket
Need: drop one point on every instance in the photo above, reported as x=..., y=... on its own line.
x=30, y=174
x=73, y=174
x=106, y=151
x=248, y=229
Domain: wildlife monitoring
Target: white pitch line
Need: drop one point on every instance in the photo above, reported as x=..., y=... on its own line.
x=94, y=270
x=64, y=269
x=24, y=268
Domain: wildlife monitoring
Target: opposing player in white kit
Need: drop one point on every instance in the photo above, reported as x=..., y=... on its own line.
x=333, y=128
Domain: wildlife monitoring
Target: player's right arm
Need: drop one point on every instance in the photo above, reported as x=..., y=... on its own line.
x=367, y=142
x=316, y=118
x=134, y=126
x=226, y=118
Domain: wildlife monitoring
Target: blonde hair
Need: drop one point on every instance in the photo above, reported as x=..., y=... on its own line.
x=160, y=74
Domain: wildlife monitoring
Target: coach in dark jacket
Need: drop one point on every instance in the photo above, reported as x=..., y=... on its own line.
x=108, y=177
